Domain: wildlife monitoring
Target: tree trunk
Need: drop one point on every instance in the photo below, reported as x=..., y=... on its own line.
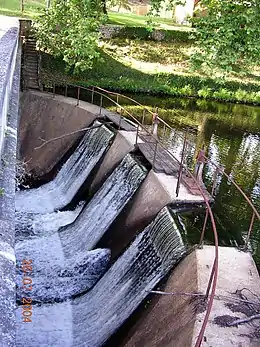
x=104, y=6
x=48, y=4
x=22, y=5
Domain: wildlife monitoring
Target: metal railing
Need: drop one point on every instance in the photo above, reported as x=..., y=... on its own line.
x=140, y=130
x=218, y=169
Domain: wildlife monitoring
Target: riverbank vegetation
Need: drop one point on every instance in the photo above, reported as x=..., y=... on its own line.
x=179, y=64
x=154, y=68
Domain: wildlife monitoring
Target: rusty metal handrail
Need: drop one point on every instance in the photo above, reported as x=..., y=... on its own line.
x=255, y=213
x=222, y=171
x=211, y=288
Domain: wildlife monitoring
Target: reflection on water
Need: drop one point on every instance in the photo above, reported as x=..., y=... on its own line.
x=231, y=136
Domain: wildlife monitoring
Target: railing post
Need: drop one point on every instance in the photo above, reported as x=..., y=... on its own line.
x=214, y=182
x=181, y=165
x=155, y=152
x=78, y=96
x=101, y=103
x=204, y=227
x=143, y=117
x=250, y=229
x=92, y=95
x=66, y=90
x=164, y=128
x=53, y=90
x=120, y=119
x=210, y=279
x=137, y=133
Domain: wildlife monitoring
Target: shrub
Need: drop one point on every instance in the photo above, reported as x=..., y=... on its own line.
x=143, y=33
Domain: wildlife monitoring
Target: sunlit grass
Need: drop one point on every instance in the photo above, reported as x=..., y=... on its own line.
x=12, y=8
x=133, y=20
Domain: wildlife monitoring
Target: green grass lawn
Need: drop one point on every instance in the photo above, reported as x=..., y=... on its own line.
x=12, y=8
x=133, y=20
x=139, y=66
x=34, y=7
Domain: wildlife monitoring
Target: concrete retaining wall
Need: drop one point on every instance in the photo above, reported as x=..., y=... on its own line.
x=176, y=320
x=123, y=144
x=45, y=117
x=8, y=51
x=10, y=63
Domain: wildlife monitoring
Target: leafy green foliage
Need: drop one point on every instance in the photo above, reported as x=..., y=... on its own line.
x=228, y=36
x=113, y=75
x=119, y=3
x=70, y=29
x=146, y=33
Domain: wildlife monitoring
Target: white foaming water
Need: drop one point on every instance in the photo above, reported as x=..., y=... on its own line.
x=91, y=319
x=77, y=275
x=30, y=225
x=46, y=253
x=61, y=190
x=45, y=318
x=103, y=208
x=92, y=222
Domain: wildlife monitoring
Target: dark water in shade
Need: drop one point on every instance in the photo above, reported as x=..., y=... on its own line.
x=231, y=136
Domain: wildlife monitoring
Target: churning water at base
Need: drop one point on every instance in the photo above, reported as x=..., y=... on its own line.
x=89, y=320
x=61, y=190
x=32, y=225
x=75, y=276
x=53, y=251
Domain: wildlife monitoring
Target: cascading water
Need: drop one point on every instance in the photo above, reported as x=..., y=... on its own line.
x=89, y=320
x=103, y=208
x=61, y=190
x=31, y=225
x=52, y=251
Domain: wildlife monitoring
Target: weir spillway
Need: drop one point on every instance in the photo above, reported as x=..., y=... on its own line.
x=89, y=290
x=89, y=320
x=93, y=235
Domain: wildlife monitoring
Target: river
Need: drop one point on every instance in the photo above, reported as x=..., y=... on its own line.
x=231, y=136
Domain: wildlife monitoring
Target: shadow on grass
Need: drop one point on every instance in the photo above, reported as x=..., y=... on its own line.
x=114, y=75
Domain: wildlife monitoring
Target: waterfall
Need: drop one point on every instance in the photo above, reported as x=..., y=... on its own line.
x=89, y=320
x=61, y=190
x=53, y=250
x=103, y=208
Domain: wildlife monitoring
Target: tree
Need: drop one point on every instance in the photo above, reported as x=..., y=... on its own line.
x=228, y=36
x=22, y=5
x=48, y=4
x=120, y=4
x=70, y=29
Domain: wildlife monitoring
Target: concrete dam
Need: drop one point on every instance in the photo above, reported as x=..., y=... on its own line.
x=91, y=249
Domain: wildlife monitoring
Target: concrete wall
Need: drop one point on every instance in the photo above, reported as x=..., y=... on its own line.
x=176, y=320
x=10, y=63
x=45, y=117
x=8, y=49
x=183, y=13
x=123, y=144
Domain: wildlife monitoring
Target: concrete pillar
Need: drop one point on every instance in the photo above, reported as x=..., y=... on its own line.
x=176, y=320
x=123, y=144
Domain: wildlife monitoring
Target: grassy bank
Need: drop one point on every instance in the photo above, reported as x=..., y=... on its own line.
x=132, y=20
x=155, y=68
x=12, y=8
